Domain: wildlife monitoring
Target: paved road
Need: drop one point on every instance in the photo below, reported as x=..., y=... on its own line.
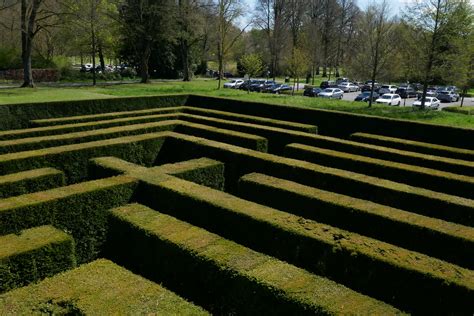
x=409, y=102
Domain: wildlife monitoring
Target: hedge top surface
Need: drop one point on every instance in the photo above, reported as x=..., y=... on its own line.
x=35, y=173
x=97, y=288
x=352, y=242
x=322, y=294
x=30, y=239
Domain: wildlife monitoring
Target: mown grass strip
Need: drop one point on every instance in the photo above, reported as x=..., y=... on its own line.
x=410, y=145
x=407, y=279
x=447, y=241
x=103, y=116
x=252, y=119
x=73, y=159
x=32, y=143
x=30, y=181
x=432, y=179
x=78, y=209
x=94, y=289
x=34, y=254
x=240, y=161
x=221, y=275
x=69, y=128
x=202, y=171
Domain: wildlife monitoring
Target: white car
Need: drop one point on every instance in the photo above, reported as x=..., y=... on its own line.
x=387, y=89
x=389, y=99
x=430, y=103
x=348, y=87
x=234, y=84
x=331, y=93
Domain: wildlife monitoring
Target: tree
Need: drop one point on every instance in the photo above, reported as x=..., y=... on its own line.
x=252, y=65
x=228, y=11
x=145, y=22
x=297, y=66
x=375, y=43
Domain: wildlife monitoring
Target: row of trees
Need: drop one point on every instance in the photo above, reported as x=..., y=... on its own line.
x=431, y=41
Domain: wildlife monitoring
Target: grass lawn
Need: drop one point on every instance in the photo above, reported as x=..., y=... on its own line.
x=208, y=87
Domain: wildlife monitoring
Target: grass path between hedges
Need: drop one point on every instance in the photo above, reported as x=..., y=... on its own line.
x=208, y=87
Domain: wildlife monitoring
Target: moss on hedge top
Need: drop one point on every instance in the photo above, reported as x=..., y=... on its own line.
x=29, y=174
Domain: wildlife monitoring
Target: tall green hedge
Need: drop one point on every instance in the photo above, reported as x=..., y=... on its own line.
x=34, y=254
x=30, y=181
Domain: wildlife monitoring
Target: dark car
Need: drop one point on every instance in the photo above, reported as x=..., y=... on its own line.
x=280, y=88
x=328, y=84
x=341, y=80
x=312, y=91
x=406, y=92
x=368, y=86
x=448, y=96
x=365, y=96
x=260, y=85
x=247, y=83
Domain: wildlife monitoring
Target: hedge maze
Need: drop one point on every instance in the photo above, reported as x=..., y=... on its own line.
x=191, y=205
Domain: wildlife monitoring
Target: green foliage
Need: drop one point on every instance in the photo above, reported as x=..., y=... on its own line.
x=9, y=58
x=252, y=64
x=34, y=254
x=30, y=181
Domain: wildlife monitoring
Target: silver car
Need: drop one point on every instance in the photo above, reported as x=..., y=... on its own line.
x=348, y=87
x=331, y=93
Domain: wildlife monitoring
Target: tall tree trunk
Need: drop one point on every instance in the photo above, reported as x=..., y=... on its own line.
x=145, y=57
x=100, y=49
x=28, y=19
x=185, y=59
x=94, y=72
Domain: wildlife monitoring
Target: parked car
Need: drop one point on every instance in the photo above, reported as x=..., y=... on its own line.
x=341, y=80
x=331, y=93
x=389, y=99
x=365, y=96
x=328, y=84
x=406, y=92
x=261, y=85
x=359, y=84
x=312, y=91
x=280, y=88
x=247, y=84
x=387, y=89
x=348, y=87
x=430, y=103
x=447, y=96
x=431, y=92
x=368, y=86
x=234, y=84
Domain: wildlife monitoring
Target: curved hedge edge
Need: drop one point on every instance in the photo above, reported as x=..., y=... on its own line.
x=246, y=140
x=412, y=231
x=68, y=128
x=461, y=110
x=384, y=271
x=222, y=275
x=240, y=161
x=94, y=288
x=440, y=181
x=410, y=145
x=40, y=142
x=34, y=254
x=30, y=181
x=104, y=116
x=14, y=116
x=78, y=209
x=307, y=128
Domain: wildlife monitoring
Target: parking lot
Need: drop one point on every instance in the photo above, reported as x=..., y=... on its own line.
x=409, y=102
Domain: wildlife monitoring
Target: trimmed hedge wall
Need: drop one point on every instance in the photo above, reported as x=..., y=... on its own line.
x=375, y=268
x=71, y=128
x=32, y=143
x=411, y=231
x=420, y=147
x=30, y=181
x=73, y=159
x=307, y=128
x=19, y=115
x=432, y=179
x=202, y=171
x=78, y=209
x=222, y=276
x=97, y=288
x=34, y=254
x=103, y=116
x=341, y=124
x=240, y=161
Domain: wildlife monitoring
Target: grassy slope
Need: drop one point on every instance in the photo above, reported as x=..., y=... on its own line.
x=208, y=87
